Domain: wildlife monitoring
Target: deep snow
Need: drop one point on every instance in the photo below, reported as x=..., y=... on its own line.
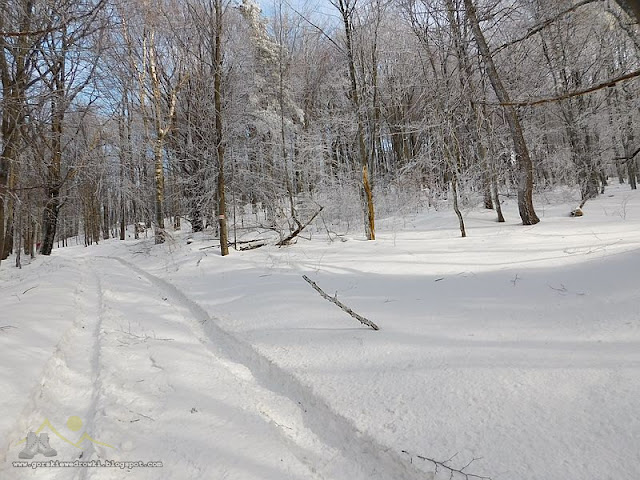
x=517, y=347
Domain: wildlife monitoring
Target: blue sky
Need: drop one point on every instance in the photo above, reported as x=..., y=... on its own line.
x=315, y=7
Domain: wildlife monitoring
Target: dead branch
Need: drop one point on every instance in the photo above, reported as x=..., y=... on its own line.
x=238, y=243
x=28, y=289
x=337, y=302
x=630, y=157
x=297, y=231
x=252, y=247
x=606, y=84
x=443, y=465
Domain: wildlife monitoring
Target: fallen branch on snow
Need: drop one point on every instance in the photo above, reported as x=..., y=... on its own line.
x=335, y=301
x=297, y=231
x=252, y=247
x=443, y=465
x=233, y=244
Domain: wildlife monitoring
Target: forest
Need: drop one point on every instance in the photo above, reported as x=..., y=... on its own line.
x=233, y=115
x=231, y=239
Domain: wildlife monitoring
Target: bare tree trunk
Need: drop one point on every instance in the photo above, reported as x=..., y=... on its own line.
x=456, y=208
x=159, y=190
x=632, y=168
x=14, y=76
x=54, y=178
x=106, y=223
x=158, y=144
x=283, y=145
x=525, y=165
x=10, y=214
x=2, y=220
x=217, y=85
x=346, y=8
x=614, y=140
x=19, y=234
x=496, y=199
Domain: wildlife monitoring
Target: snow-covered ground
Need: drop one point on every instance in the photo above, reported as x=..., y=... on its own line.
x=516, y=349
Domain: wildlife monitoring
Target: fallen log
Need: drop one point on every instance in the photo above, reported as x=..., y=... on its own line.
x=337, y=302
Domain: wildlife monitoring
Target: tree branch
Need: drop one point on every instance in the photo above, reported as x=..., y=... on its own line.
x=630, y=157
x=608, y=83
x=335, y=301
x=297, y=231
x=55, y=28
x=319, y=29
x=443, y=464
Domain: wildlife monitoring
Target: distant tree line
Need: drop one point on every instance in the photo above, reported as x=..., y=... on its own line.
x=122, y=112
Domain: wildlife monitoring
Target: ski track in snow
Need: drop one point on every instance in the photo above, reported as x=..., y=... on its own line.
x=68, y=386
x=115, y=368
x=326, y=442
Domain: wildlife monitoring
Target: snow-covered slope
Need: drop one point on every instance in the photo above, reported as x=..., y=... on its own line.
x=518, y=347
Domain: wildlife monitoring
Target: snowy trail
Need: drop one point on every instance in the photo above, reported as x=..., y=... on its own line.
x=67, y=386
x=149, y=376
x=159, y=379
x=327, y=443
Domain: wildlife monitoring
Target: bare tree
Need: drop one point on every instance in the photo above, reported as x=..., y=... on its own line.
x=525, y=165
x=65, y=73
x=220, y=148
x=16, y=63
x=347, y=9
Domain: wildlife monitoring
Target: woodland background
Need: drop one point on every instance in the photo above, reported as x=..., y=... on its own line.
x=120, y=112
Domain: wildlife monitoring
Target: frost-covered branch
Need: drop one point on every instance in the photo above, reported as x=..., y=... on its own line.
x=337, y=302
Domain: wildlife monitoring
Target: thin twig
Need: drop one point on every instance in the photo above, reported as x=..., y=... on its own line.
x=452, y=470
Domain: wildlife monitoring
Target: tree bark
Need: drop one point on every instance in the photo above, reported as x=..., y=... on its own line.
x=217, y=85
x=10, y=214
x=159, y=190
x=456, y=208
x=106, y=223
x=54, y=179
x=496, y=198
x=632, y=167
x=631, y=7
